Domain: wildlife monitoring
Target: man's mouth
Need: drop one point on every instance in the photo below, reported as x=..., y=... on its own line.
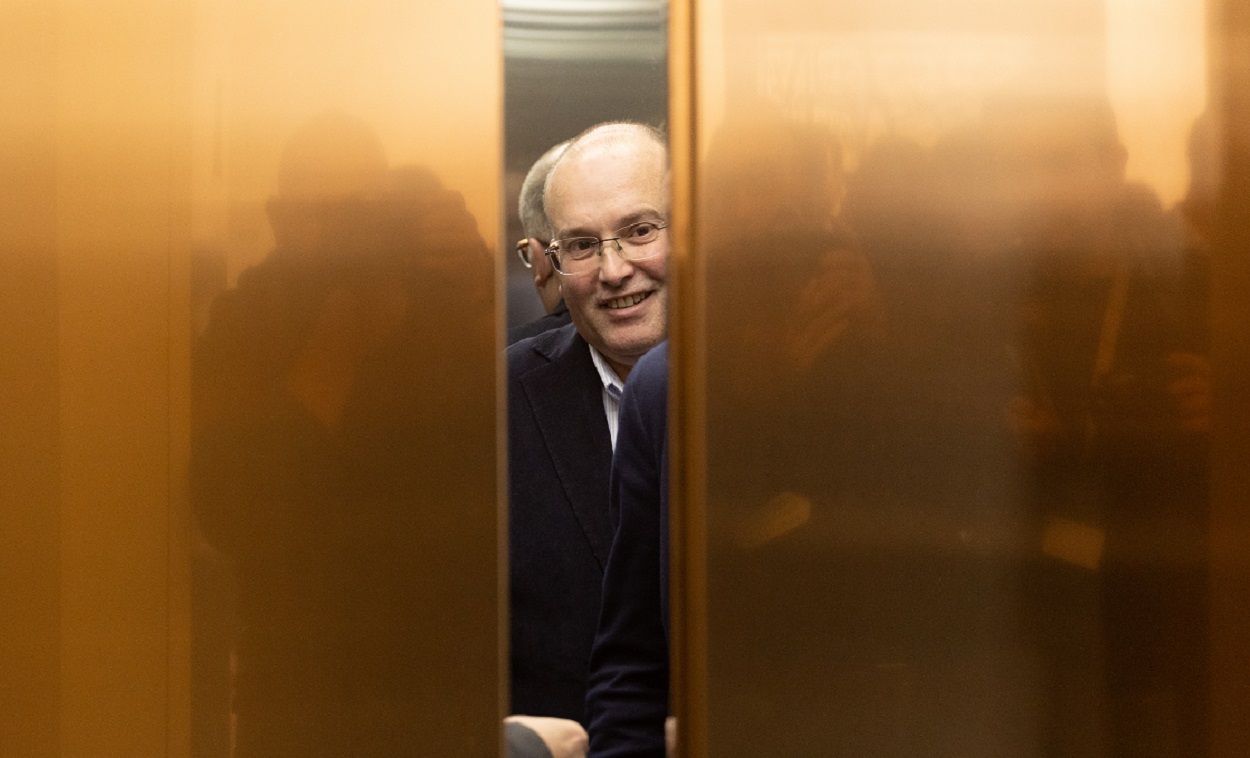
x=626, y=301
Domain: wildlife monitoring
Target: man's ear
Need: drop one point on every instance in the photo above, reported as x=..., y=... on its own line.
x=540, y=264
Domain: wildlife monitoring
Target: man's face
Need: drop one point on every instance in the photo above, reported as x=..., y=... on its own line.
x=621, y=308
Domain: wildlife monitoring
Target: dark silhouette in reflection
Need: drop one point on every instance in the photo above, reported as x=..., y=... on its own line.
x=1050, y=321
x=334, y=399
x=981, y=525
x=1106, y=325
x=812, y=582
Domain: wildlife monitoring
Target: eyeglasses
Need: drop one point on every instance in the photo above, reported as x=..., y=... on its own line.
x=580, y=255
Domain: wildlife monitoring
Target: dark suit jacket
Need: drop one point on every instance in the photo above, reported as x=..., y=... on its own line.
x=628, y=696
x=559, y=457
x=554, y=320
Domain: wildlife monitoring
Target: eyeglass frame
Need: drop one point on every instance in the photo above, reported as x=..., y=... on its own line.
x=553, y=251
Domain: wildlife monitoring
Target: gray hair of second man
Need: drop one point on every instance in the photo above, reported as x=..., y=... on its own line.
x=530, y=204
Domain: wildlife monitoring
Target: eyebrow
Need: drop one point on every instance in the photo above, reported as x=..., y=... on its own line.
x=646, y=214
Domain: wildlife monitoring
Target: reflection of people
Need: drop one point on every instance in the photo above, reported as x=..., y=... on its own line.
x=812, y=526
x=1109, y=345
x=533, y=247
x=628, y=698
x=865, y=606
x=333, y=401
x=607, y=200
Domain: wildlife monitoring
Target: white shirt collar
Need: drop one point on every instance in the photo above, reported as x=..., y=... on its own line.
x=611, y=393
x=612, y=383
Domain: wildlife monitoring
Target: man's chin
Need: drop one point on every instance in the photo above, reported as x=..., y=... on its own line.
x=628, y=351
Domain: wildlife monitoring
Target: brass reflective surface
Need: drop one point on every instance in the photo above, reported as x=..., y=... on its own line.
x=958, y=393
x=249, y=378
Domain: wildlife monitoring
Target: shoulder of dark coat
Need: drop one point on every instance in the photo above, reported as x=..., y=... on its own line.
x=650, y=374
x=542, y=349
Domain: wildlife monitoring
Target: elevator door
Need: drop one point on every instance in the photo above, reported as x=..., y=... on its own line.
x=249, y=462
x=956, y=379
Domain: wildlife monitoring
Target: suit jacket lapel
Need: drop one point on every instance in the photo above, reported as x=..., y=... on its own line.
x=566, y=396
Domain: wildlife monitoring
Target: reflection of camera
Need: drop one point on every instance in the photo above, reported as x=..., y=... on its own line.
x=360, y=236
x=412, y=230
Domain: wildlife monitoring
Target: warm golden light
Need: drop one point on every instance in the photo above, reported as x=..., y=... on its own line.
x=168, y=298
x=1156, y=78
x=954, y=339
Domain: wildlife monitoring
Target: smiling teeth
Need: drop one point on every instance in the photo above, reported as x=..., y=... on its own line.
x=628, y=300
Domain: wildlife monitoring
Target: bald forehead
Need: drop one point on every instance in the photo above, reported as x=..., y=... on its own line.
x=633, y=142
x=620, y=133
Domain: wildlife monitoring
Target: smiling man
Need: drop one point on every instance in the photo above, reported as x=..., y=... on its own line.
x=607, y=200
x=608, y=205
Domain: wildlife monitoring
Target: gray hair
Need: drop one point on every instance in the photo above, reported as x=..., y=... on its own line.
x=530, y=205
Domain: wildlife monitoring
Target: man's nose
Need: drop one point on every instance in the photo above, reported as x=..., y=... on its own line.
x=613, y=265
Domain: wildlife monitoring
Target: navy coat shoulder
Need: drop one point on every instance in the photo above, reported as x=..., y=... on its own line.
x=628, y=697
x=559, y=458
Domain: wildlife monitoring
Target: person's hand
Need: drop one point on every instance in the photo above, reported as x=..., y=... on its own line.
x=1190, y=391
x=840, y=294
x=351, y=323
x=564, y=738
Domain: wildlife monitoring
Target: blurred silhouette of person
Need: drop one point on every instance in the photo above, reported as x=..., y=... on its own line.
x=866, y=516
x=332, y=398
x=532, y=248
x=889, y=204
x=1152, y=426
x=1117, y=479
x=1051, y=331
x=863, y=597
x=214, y=612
